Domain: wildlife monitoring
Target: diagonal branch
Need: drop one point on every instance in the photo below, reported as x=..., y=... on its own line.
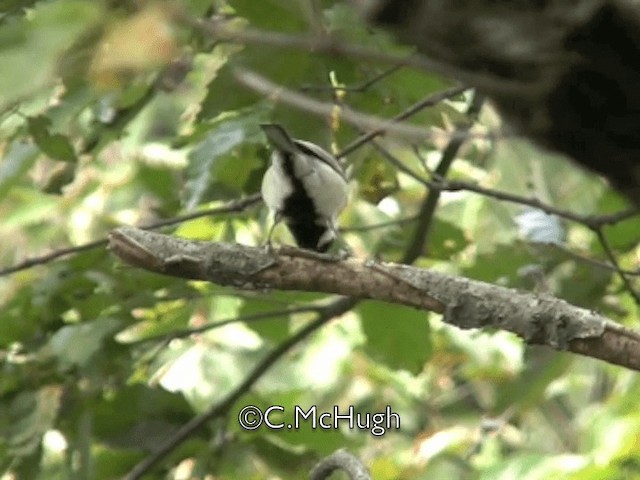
x=266, y=87
x=234, y=206
x=593, y=221
x=465, y=303
x=612, y=258
x=222, y=408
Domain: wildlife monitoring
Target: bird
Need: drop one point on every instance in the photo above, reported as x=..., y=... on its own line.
x=305, y=187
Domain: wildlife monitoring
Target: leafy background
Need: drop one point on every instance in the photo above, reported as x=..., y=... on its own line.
x=118, y=113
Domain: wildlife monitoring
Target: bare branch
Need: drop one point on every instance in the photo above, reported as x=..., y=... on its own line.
x=363, y=87
x=49, y=257
x=590, y=221
x=591, y=261
x=464, y=303
x=612, y=258
x=376, y=226
x=187, y=332
x=430, y=101
x=279, y=93
x=234, y=206
x=222, y=31
x=428, y=209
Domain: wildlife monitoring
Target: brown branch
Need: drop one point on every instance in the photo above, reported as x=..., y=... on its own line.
x=590, y=221
x=277, y=93
x=363, y=87
x=464, y=303
x=375, y=226
x=591, y=261
x=612, y=258
x=256, y=317
x=222, y=31
x=428, y=209
x=430, y=101
x=49, y=257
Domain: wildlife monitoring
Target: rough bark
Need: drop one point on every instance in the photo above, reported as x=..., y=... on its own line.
x=463, y=302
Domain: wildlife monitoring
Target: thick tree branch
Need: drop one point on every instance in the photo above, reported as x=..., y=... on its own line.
x=463, y=302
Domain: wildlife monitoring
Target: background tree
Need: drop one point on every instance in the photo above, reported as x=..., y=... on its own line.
x=148, y=114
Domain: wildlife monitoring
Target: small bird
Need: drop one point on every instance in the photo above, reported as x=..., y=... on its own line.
x=306, y=187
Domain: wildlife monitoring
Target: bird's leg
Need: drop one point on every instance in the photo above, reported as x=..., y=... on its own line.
x=277, y=218
x=344, y=251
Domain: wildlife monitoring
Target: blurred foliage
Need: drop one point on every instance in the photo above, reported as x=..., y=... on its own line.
x=128, y=113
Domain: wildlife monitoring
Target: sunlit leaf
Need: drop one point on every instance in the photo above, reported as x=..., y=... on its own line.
x=18, y=158
x=30, y=47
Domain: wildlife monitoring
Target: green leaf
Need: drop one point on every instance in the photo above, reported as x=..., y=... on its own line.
x=54, y=145
x=274, y=329
x=19, y=157
x=29, y=415
x=622, y=235
x=221, y=164
x=32, y=207
x=376, y=178
x=399, y=337
x=75, y=345
x=503, y=265
x=131, y=408
x=270, y=14
x=446, y=240
x=31, y=47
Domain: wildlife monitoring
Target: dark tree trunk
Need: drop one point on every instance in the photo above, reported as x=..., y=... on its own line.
x=565, y=73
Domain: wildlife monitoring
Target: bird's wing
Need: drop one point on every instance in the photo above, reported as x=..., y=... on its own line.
x=313, y=150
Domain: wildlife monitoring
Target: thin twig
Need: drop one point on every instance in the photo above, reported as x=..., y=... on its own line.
x=429, y=101
x=233, y=206
x=612, y=258
x=395, y=161
x=187, y=332
x=363, y=87
x=376, y=226
x=277, y=92
x=591, y=221
x=592, y=261
x=220, y=30
x=49, y=257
